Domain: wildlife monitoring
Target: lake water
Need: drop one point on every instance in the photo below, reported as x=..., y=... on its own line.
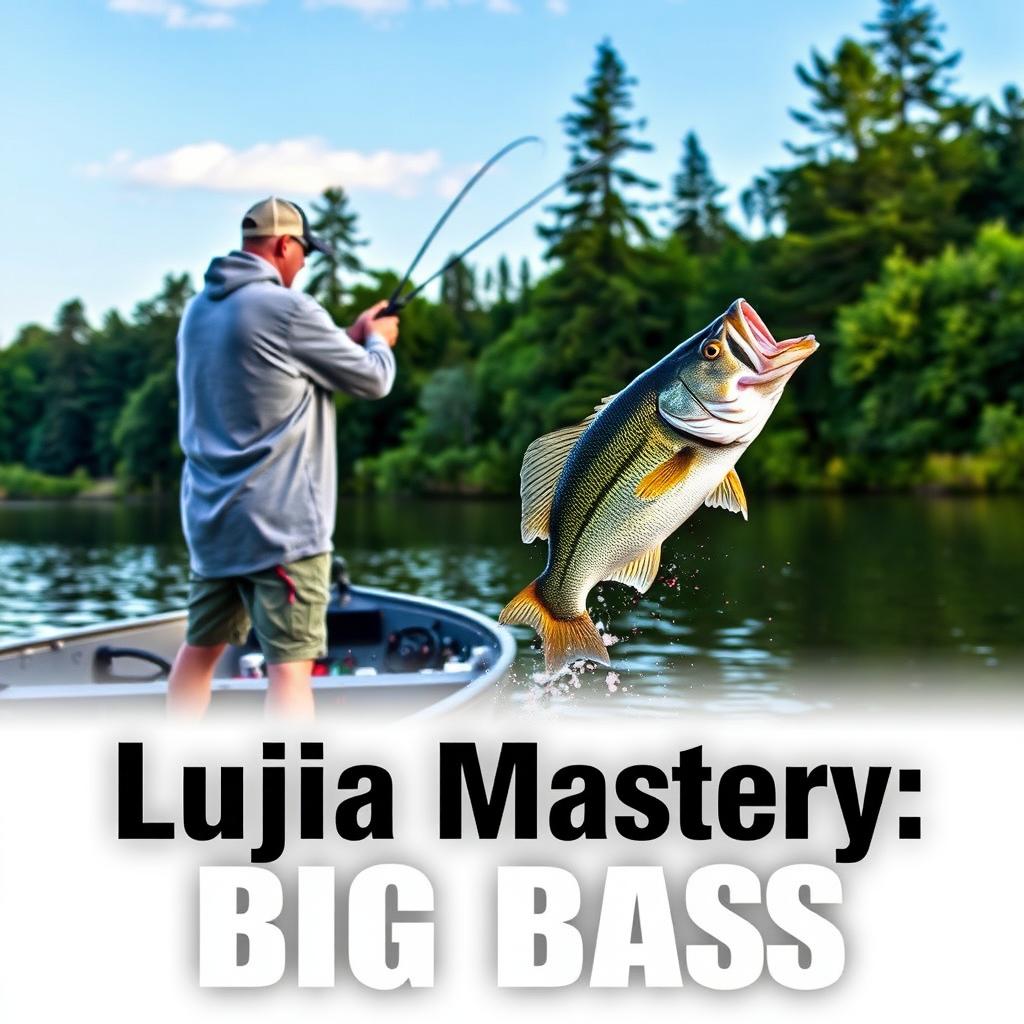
x=816, y=601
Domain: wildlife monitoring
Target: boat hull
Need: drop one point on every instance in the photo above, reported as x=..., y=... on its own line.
x=391, y=655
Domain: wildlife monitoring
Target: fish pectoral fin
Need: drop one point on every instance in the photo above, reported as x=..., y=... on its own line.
x=542, y=466
x=728, y=495
x=665, y=476
x=641, y=572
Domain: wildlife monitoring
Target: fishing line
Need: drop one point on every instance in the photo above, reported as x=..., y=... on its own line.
x=395, y=302
x=398, y=301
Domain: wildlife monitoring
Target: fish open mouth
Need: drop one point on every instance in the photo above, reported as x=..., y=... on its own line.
x=770, y=359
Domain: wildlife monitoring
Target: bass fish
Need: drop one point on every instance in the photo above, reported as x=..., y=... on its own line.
x=606, y=492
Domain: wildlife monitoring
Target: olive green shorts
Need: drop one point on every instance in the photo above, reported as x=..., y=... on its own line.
x=286, y=606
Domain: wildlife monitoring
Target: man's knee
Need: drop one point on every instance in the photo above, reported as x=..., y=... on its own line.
x=285, y=675
x=195, y=660
x=204, y=652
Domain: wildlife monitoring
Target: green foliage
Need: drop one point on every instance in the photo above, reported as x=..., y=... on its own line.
x=146, y=433
x=997, y=192
x=24, y=368
x=930, y=358
x=879, y=237
x=17, y=482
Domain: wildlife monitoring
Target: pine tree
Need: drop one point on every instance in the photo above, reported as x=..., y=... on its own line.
x=336, y=224
x=760, y=201
x=525, y=286
x=504, y=280
x=881, y=172
x=458, y=293
x=598, y=222
x=906, y=41
x=851, y=100
x=524, y=277
x=998, y=191
x=699, y=219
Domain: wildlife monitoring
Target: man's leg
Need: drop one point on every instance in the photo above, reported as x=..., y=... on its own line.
x=188, y=689
x=216, y=618
x=289, y=693
x=288, y=606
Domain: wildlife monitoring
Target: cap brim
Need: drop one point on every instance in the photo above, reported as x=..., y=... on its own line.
x=319, y=245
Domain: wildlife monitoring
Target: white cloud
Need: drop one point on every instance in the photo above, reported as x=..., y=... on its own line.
x=559, y=7
x=176, y=14
x=368, y=8
x=384, y=10
x=290, y=166
x=450, y=183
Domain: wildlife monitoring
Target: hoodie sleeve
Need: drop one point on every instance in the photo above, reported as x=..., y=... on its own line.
x=331, y=359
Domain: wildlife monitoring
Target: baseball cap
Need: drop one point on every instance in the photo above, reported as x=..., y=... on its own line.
x=273, y=216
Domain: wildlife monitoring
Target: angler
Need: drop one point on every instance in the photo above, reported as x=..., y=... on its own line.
x=606, y=492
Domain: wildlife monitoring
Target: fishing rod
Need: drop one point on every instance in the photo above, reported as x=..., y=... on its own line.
x=398, y=301
x=395, y=302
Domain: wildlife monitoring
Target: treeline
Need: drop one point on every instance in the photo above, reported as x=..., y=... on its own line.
x=894, y=234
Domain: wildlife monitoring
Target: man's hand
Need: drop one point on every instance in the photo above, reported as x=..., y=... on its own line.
x=365, y=325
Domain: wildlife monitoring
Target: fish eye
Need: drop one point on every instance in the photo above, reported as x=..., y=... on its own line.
x=712, y=350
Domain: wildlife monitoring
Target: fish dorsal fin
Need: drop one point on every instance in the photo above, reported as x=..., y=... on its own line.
x=728, y=495
x=641, y=572
x=542, y=466
x=665, y=476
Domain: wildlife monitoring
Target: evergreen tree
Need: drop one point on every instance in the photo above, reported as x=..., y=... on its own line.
x=504, y=280
x=998, y=190
x=503, y=310
x=62, y=440
x=851, y=100
x=336, y=224
x=589, y=319
x=877, y=174
x=699, y=219
x=597, y=222
x=458, y=293
x=761, y=201
x=525, y=284
x=906, y=40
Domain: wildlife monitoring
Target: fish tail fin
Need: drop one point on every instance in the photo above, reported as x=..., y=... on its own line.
x=565, y=640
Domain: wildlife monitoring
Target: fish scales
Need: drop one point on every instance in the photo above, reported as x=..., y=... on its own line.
x=639, y=468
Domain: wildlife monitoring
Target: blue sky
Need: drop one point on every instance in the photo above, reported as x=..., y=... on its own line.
x=137, y=131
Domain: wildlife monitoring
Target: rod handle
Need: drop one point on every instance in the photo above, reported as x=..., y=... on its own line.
x=393, y=308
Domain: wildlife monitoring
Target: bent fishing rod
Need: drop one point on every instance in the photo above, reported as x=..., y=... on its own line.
x=397, y=301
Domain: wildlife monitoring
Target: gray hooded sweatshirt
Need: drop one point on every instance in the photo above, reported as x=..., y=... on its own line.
x=257, y=363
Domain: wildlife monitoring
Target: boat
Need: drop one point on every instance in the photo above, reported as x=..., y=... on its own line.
x=388, y=654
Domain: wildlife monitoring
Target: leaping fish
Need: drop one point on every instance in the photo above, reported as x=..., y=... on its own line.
x=606, y=492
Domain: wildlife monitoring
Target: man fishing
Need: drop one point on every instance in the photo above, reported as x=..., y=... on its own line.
x=257, y=365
